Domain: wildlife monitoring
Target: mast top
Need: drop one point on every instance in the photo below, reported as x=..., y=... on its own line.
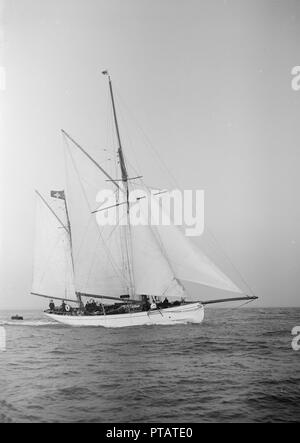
x=120, y=147
x=107, y=74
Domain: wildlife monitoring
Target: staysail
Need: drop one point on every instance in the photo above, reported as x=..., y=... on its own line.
x=153, y=274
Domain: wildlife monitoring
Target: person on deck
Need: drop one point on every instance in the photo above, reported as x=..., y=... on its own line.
x=166, y=303
x=153, y=306
x=91, y=306
x=52, y=306
x=63, y=306
x=146, y=304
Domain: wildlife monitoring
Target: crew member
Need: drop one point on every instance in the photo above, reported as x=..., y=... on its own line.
x=153, y=306
x=146, y=305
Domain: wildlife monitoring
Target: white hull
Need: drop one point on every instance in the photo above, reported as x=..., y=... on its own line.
x=192, y=313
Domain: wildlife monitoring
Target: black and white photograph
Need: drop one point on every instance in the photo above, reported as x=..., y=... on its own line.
x=149, y=214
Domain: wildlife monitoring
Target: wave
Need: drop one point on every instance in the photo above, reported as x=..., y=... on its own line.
x=33, y=323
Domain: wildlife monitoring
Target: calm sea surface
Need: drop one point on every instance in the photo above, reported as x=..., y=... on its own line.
x=237, y=366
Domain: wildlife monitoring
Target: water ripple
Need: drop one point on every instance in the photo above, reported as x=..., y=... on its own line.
x=237, y=366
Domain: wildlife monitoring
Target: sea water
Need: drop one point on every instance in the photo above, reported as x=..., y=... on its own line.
x=238, y=366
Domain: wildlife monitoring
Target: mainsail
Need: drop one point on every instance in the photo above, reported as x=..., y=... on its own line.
x=97, y=249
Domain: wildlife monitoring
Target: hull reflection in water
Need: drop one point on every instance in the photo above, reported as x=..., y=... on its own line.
x=192, y=313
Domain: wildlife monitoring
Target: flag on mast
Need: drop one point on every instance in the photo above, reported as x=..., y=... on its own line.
x=58, y=194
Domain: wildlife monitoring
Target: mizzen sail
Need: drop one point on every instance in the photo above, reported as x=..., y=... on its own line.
x=53, y=268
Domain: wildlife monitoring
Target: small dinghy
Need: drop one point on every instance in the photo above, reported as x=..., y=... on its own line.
x=17, y=318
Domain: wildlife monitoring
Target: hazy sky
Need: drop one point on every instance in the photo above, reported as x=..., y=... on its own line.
x=209, y=81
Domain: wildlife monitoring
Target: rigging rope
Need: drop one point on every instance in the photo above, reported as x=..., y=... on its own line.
x=147, y=139
x=243, y=304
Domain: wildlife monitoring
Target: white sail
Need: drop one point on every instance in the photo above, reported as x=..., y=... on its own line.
x=152, y=272
x=96, y=249
x=188, y=262
x=53, y=268
x=164, y=253
x=191, y=264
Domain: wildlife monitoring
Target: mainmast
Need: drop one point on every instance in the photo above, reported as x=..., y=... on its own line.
x=126, y=243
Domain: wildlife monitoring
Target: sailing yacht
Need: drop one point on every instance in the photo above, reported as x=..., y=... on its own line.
x=137, y=274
